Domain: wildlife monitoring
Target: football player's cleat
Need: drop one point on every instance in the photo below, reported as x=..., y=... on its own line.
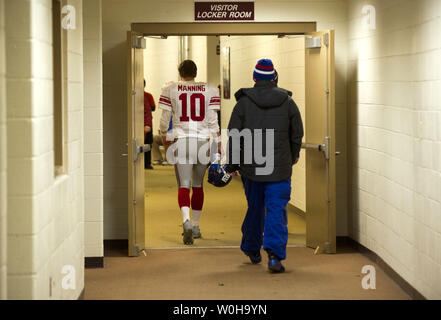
x=196, y=232
x=217, y=175
x=188, y=232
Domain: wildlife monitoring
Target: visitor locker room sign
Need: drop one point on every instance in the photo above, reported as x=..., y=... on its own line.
x=223, y=11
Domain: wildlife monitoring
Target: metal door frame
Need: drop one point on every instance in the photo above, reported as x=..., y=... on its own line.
x=135, y=148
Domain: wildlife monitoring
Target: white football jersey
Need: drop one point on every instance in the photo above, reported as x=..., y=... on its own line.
x=190, y=103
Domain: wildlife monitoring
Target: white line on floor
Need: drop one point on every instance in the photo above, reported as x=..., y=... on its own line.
x=217, y=247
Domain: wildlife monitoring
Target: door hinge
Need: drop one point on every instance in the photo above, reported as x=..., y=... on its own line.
x=134, y=202
x=326, y=39
x=136, y=250
x=138, y=42
x=313, y=43
x=328, y=247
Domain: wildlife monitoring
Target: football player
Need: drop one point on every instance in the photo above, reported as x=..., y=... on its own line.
x=193, y=107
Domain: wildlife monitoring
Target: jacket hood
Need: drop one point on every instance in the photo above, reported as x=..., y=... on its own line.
x=265, y=94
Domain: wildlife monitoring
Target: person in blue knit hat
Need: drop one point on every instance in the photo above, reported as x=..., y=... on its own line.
x=264, y=70
x=266, y=107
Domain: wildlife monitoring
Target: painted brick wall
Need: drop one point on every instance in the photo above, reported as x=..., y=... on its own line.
x=93, y=129
x=3, y=157
x=45, y=213
x=117, y=16
x=394, y=84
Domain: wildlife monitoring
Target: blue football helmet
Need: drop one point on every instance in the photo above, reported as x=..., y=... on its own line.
x=217, y=175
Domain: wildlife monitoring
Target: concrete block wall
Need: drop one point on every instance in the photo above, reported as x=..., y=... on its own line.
x=394, y=94
x=45, y=213
x=117, y=16
x=288, y=56
x=3, y=157
x=93, y=129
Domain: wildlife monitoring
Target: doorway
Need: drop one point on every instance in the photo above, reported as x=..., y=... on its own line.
x=317, y=201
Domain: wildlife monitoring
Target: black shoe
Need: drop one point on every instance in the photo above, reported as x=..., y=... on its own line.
x=274, y=264
x=149, y=168
x=255, y=257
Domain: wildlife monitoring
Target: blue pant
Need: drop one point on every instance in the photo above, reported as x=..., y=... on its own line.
x=266, y=222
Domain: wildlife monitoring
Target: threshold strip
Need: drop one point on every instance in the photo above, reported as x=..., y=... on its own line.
x=218, y=247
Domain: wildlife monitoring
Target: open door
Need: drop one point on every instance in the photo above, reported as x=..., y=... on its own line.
x=320, y=141
x=135, y=145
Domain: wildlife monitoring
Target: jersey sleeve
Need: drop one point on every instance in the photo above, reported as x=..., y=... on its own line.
x=165, y=99
x=164, y=123
x=214, y=99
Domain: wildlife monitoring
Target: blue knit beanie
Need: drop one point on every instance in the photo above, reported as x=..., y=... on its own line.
x=264, y=70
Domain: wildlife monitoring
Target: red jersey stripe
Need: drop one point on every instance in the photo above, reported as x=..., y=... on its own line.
x=164, y=98
x=164, y=101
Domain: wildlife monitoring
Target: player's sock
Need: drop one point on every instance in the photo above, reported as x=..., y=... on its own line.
x=185, y=213
x=184, y=203
x=195, y=214
x=197, y=201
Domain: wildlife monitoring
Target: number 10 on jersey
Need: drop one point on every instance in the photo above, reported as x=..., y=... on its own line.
x=183, y=97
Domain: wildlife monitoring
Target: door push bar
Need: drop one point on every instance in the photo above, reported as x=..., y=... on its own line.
x=324, y=147
x=138, y=149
